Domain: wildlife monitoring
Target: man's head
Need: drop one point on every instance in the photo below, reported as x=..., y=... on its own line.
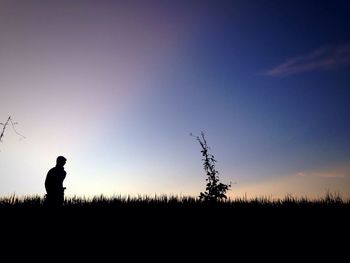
x=60, y=161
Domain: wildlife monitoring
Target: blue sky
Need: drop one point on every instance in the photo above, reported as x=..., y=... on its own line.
x=118, y=86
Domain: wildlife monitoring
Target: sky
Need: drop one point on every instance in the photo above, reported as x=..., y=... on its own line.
x=118, y=86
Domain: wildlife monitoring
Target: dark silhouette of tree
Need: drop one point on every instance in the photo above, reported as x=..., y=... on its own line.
x=215, y=190
x=4, y=126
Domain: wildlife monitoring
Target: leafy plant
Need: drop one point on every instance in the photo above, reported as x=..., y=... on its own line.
x=215, y=190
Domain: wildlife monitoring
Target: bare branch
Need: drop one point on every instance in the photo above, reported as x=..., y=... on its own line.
x=14, y=129
x=9, y=121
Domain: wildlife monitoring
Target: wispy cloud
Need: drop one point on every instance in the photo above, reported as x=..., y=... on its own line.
x=323, y=58
x=334, y=174
x=330, y=175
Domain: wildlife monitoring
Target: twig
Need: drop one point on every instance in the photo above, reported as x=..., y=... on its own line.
x=4, y=125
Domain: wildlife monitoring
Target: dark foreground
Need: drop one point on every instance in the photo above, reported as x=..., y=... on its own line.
x=172, y=214
x=181, y=226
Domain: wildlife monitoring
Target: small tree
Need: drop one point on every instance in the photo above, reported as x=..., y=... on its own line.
x=215, y=190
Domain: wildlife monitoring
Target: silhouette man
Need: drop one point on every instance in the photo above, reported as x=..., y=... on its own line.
x=54, y=183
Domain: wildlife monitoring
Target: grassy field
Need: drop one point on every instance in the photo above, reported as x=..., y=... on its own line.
x=330, y=200
x=114, y=225
x=159, y=209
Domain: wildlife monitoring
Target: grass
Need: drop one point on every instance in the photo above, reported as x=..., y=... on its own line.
x=156, y=221
x=164, y=201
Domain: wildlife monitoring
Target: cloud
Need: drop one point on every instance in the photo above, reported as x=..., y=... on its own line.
x=334, y=174
x=323, y=58
x=302, y=174
x=330, y=175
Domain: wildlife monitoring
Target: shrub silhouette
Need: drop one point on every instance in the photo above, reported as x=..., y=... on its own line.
x=215, y=190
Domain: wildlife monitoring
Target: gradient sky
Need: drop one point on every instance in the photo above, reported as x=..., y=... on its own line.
x=117, y=87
